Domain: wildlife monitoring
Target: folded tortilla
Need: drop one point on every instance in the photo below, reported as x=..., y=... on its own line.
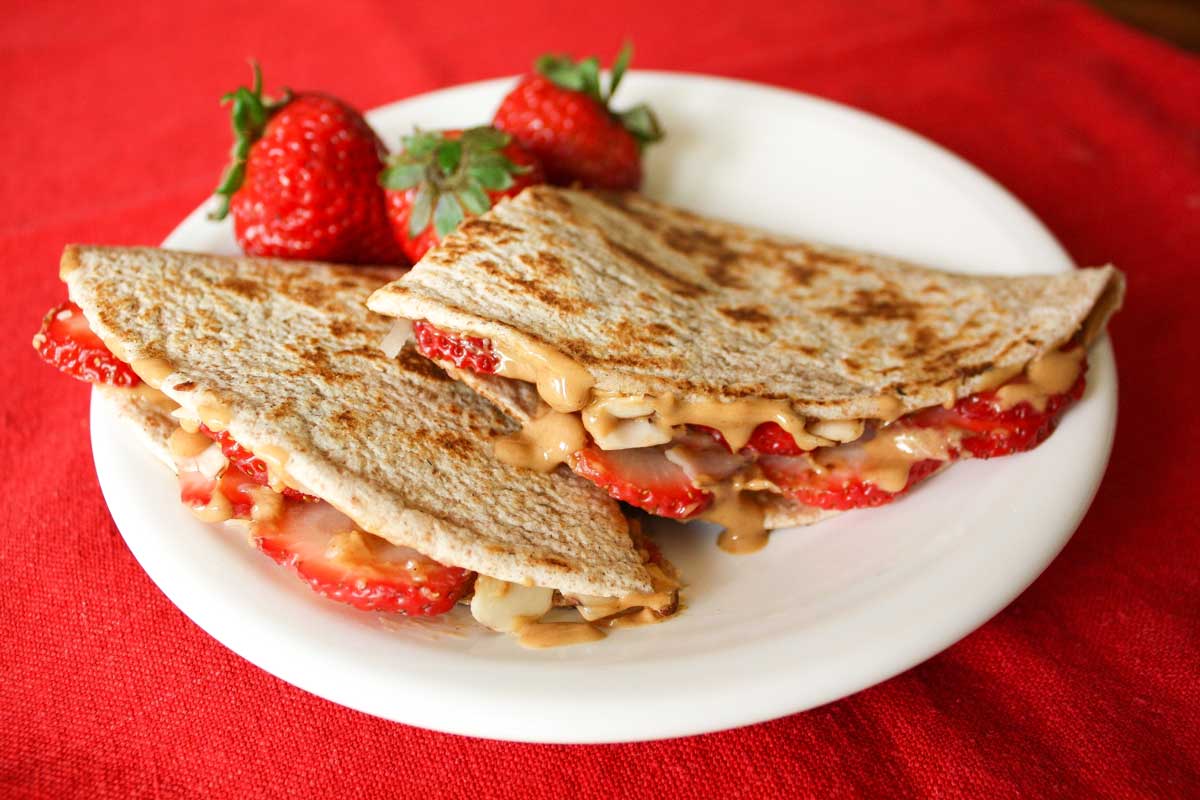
x=649, y=299
x=288, y=356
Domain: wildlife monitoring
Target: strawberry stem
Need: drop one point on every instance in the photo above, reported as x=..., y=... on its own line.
x=584, y=76
x=249, y=115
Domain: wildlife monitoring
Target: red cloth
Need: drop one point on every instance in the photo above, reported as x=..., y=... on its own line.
x=1086, y=686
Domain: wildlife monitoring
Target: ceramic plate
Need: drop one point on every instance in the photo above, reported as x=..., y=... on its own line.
x=821, y=612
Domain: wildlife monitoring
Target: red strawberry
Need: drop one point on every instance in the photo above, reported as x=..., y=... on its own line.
x=441, y=177
x=342, y=563
x=768, y=439
x=643, y=477
x=253, y=468
x=465, y=352
x=997, y=431
x=66, y=341
x=560, y=114
x=303, y=180
x=839, y=489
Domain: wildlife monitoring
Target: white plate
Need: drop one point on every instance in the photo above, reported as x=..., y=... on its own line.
x=821, y=612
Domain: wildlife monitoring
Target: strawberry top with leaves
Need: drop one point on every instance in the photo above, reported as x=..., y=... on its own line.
x=561, y=115
x=441, y=177
x=302, y=182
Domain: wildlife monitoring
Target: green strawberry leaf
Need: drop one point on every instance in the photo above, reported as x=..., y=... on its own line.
x=447, y=215
x=589, y=70
x=473, y=198
x=484, y=137
x=641, y=124
x=402, y=176
x=618, y=70
x=449, y=154
x=491, y=176
x=422, y=210
x=420, y=143
x=560, y=70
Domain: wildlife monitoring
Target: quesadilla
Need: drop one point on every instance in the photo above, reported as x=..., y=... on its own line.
x=262, y=383
x=699, y=368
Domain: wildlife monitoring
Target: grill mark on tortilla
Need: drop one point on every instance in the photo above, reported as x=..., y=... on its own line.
x=664, y=276
x=246, y=289
x=881, y=305
x=751, y=315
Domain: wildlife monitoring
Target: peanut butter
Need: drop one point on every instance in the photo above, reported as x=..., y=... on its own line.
x=152, y=370
x=562, y=383
x=1053, y=373
x=544, y=443
x=540, y=635
x=185, y=444
x=741, y=515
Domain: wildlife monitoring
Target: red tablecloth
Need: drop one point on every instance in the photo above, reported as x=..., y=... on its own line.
x=1088, y=685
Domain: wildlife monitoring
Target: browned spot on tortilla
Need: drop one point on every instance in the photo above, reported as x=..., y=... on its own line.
x=839, y=261
x=246, y=289
x=664, y=276
x=550, y=561
x=317, y=364
x=851, y=364
x=626, y=203
x=971, y=370
x=491, y=229
x=340, y=328
x=362, y=351
x=882, y=305
x=412, y=362
x=752, y=315
x=811, y=352
x=184, y=386
x=548, y=263
x=659, y=329
x=347, y=420
x=455, y=444
x=799, y=274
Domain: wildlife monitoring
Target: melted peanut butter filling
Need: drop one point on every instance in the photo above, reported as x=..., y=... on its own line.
x=1053, y=373
x=741, y=515
x=560, y=380
x=890, y=455
x=661, y=601
x=152, y=370
x=543, y=443
x=540, y=635
x=187, y=444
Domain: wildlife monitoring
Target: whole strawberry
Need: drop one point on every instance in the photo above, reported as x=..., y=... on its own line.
x=303, y=179
x=560, y=115
x=441, y=177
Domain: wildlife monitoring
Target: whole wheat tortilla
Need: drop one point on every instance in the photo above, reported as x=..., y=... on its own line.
x=653, y=299
x=291, y=350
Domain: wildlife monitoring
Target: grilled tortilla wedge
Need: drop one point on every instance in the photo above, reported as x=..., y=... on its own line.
x=594, y=296
x=286, y=356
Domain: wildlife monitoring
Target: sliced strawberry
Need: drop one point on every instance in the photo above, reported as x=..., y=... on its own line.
x=342, y=563
x=196, y=490
x=643, y=477
x=840, y=488
x=465, y=352
x=252, y=467
x=995, y=430
x=66, y=341
x=768, y=439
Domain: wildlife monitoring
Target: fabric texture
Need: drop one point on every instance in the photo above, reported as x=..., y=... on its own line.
x=1086, y=686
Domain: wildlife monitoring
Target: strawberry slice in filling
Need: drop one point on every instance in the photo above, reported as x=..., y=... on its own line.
x=67, y=342
x=343, y=563
x=668, y=480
